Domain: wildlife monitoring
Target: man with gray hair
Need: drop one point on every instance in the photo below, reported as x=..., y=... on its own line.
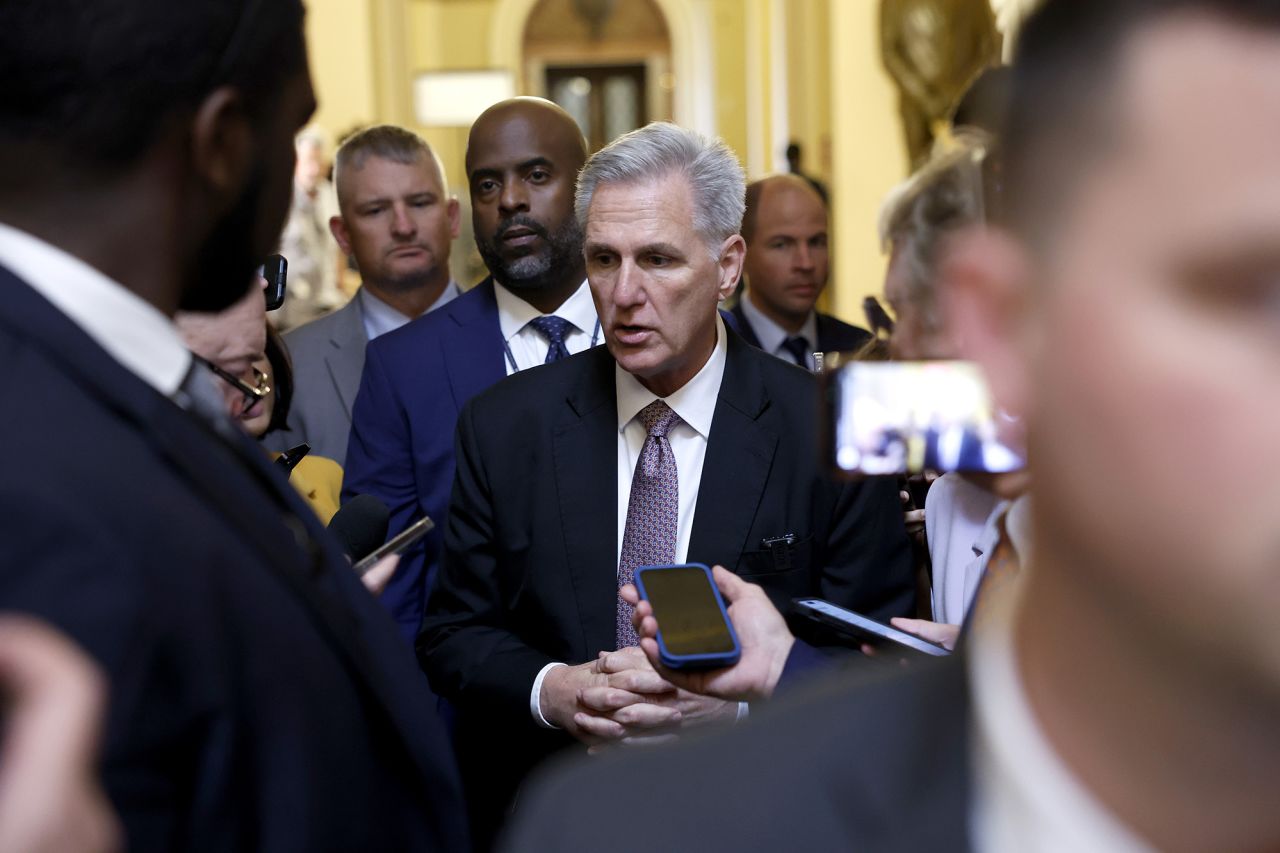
x=676, y=442
x=397, y=219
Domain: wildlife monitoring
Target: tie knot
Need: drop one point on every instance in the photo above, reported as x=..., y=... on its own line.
x=552, y=328
x=658, y=418
x=799, y=349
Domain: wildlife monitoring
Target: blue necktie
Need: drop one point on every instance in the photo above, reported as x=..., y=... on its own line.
x=553, y=329
x=799, y=349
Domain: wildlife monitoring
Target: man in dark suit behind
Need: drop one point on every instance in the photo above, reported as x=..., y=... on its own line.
x=522, y=157
x=1125, y=697
x=259, y=697
x=786, y=270
x=676, y=442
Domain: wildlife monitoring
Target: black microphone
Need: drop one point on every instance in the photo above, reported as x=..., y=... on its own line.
x=291, y=457
x=360, y=525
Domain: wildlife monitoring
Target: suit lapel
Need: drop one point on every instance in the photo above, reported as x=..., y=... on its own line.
x=585, y=454
x=743, y=325
x=739, y=455
x=472, y=344
x=346, y=360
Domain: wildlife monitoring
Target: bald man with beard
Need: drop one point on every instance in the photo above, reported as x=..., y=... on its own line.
x=523, y=156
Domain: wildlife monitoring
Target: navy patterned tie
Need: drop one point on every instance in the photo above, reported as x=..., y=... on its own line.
x=652, y=510
x=553, y=329
x=799, y=349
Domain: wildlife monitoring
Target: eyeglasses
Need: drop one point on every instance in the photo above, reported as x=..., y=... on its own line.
x=260, y=388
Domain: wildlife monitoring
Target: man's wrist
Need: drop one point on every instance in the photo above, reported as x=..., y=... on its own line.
x=535, y=697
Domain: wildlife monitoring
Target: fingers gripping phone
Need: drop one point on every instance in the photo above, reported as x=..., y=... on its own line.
x=398, y=544
x=694, y=631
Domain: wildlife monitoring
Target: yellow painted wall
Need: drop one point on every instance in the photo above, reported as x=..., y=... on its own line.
x=868, y=153
x=840, y=103
x=340, y=40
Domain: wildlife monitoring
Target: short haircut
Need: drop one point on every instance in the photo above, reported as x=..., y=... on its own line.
x=943, y=196
x=716, y=180
x=90, y=86
x=386, y=142
x=755, y=190
x=1062, y=99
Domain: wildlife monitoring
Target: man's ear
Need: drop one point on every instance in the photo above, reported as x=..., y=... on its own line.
x=455, y=218
x=985, y=297
x=222, y=143
x=732, y=253
x=338, y=227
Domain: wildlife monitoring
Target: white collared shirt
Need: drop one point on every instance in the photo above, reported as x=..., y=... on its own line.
x=526, y=344
x=772, y=336
x=695, y=403
x=380, y=318
x=132, y=331
x=1026, y=799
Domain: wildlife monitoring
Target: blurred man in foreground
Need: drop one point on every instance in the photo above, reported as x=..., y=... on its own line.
x=1127, y=697
x=259, y=698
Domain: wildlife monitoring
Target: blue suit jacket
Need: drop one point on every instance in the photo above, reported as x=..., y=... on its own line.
x=416, y=380
x=260, y=699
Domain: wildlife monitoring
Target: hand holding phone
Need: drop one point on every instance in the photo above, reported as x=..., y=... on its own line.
x=694, y=631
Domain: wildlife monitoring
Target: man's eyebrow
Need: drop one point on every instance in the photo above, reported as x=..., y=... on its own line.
x=536, y=161
x=660, y=249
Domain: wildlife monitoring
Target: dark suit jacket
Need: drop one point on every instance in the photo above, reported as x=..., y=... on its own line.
x=881, y=766
x=415, y=381
x=833, y=335
x=529, y=575
x=328, y=358
x=260, y=699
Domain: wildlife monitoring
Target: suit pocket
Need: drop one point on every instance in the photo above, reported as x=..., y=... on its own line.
x=767, y=565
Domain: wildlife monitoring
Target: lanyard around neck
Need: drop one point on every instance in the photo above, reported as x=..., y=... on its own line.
x=511, y=359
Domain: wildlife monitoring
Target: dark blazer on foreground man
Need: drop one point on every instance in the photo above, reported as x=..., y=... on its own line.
x=260, y=698
x=881, y=766
x=531, y=552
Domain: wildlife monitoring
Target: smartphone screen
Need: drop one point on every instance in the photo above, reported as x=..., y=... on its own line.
x=688, y=612
x=890, y=418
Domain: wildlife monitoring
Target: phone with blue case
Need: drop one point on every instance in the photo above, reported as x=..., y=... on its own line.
x=694, y=631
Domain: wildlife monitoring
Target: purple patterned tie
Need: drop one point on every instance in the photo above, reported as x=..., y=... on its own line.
x=652, y=511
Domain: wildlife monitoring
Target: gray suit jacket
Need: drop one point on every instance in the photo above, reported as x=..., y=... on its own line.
x=328, y=358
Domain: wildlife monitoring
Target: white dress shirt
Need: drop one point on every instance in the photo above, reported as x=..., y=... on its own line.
x=380, y=318
x=1026, y=798
x=132, y=331
x=695, y=403
x=772, y=336
x=526, y=344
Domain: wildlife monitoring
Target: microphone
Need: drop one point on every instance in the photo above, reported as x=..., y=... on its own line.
x=360, y=525
x=291, y=457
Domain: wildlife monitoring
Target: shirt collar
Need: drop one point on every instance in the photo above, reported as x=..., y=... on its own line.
x=132, y=331
x=514, y=313
x=1025, y=788
x=380, y=318
x=695, y=402
x=772, y=335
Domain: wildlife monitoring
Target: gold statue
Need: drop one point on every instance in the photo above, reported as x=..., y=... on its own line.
x=933, y=49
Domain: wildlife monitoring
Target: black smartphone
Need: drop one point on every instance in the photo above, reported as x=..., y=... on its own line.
x=907, y=417
x=694, y=631
x=275, y=271
x=867, y=630
x=397, y=544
